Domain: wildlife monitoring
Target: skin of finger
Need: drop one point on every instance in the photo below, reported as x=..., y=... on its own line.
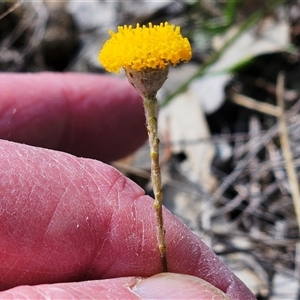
x=87, y=115
x=160, y=286
x=117, y=288
x=65, y=219
x=177, y=286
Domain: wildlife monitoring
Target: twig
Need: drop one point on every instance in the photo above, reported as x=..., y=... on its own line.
x=122, y=167
x=286, y=149
x=255, y=105
x=297, y=260
x=11, y=9
x=241, y=165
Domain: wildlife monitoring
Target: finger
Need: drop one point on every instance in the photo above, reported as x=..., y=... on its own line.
x=86, y=115
x=66, y=219
x=160, y=286
x=177, y=286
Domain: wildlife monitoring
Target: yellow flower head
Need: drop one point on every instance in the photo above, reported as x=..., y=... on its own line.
x=155, y=47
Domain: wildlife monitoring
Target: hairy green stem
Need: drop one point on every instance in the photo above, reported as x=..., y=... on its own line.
x=150, y=106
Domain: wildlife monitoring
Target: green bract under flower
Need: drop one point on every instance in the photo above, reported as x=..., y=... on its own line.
x=155, y=46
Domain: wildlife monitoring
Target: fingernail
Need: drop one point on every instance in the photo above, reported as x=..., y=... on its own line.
x=177, y=286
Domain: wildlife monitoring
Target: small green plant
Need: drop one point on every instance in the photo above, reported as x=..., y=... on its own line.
x=145, y=54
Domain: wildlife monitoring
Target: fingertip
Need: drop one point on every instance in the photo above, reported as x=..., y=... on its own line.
x=108, y=119
x=92, y=116
x=160, y=286
x=177, y=286
x=117, y=288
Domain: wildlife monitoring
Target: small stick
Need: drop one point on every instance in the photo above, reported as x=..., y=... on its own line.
x=11, y=9
x=250, y=103
x=286, y=149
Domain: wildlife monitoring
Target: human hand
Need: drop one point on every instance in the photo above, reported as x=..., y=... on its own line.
x=69, y=219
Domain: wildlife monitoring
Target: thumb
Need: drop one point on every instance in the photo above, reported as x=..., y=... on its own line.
x=177, y=286
x=160, y=286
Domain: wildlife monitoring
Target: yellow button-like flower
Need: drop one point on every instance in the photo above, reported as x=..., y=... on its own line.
x=146, y=53
x=154, y=47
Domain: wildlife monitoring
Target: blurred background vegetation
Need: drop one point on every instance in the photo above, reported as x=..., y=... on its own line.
x=245, y=80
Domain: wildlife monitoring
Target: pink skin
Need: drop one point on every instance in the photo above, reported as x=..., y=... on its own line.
x=74, y=113
x=64, y=218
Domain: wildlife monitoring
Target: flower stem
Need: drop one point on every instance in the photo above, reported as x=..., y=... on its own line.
x=151, y=112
